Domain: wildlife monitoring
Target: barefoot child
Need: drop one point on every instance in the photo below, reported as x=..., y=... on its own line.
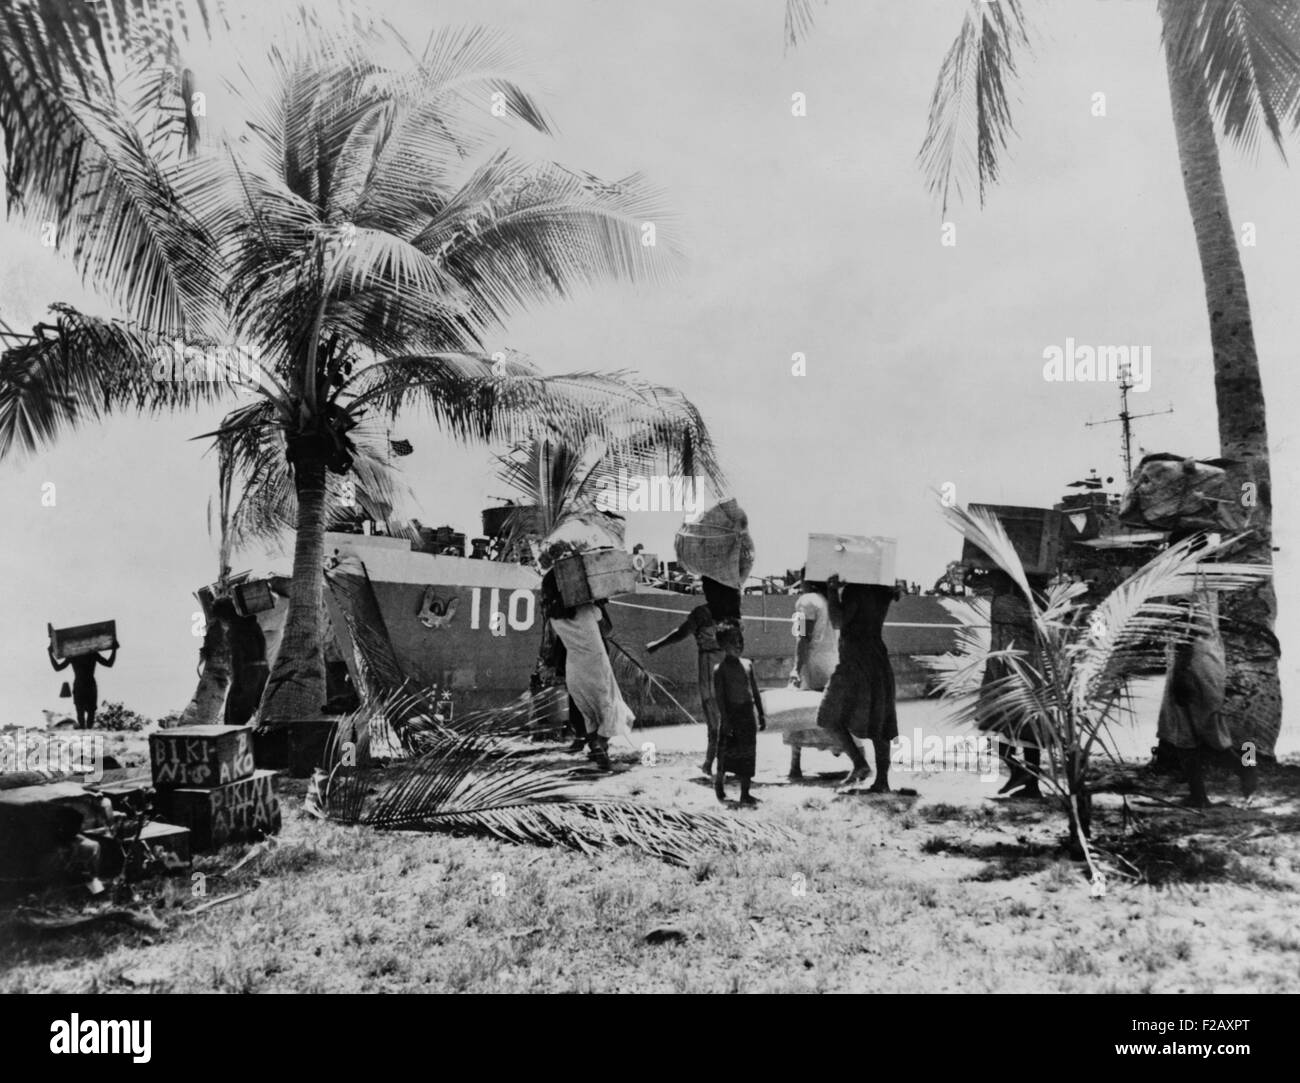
x=741, y=711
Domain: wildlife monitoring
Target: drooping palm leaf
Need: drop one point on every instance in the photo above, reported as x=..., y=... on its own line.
x=477, y=783
x=83, y=368
x=970, y=112
x=798, y=21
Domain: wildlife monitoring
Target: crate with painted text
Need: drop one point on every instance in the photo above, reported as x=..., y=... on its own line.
x=201, y=755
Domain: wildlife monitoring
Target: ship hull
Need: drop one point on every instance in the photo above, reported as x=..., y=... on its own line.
x=474, y=627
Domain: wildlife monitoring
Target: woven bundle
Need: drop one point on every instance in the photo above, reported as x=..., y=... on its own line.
x=716, y=543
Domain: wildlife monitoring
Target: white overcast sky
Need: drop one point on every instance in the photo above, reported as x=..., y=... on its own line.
x=810, y=234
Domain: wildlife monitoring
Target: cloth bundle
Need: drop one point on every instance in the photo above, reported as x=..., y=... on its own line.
x=1168, y=492
x=716, y=543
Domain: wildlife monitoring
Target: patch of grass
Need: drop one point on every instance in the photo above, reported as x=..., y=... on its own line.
x=1266, y=939
x=349, y=910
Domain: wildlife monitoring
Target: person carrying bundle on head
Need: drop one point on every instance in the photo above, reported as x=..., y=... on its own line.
x=859, y=700
x=1191, y=709
x=588, y=675
x=816, y=653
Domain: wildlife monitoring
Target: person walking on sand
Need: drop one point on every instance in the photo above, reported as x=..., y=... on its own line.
x=588, y=675
x=1191, y=709
x=741, y=707
x=859, y=700
x=555, y=657
x=1011, y=626
x=85, y=690
x=815, y=656
x=699, y=623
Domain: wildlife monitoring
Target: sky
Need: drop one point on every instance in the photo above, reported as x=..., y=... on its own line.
x=808, y=235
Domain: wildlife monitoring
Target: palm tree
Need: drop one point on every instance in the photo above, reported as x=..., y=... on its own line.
x=1065, y=692
x=356, y=241
x=265, y=510
x=1234, y=60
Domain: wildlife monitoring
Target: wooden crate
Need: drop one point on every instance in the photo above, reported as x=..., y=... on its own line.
x=855, y=558
x=594, y=576
x=201, y=755
x=252, y=598
x=83, y=639
x=37, y=820
x=1035, y=533
x=132, y=852
x=247, y=809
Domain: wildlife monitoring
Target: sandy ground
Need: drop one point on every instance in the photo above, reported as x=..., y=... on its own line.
x=950, y=890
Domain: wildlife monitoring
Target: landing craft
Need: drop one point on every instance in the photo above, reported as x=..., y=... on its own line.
x=474, y=627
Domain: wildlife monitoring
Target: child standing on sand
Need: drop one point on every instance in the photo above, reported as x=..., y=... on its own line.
x=741, y=711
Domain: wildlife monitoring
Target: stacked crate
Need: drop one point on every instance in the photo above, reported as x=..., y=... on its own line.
x=205, y=779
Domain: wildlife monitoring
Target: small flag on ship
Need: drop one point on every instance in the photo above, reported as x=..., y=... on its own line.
x=401, y=447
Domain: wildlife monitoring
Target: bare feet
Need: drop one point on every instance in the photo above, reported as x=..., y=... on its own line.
x=858, y=774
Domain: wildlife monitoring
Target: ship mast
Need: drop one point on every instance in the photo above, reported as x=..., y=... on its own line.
x=1126, y=418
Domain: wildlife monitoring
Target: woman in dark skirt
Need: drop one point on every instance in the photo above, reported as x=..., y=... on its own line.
x=859, y=700
x=741, y=708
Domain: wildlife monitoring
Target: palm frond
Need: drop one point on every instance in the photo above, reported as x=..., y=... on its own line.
x=54, y=50
x=798, y=21
x=84, y=368
x=86, y=169
x=1138, y=614
x=970, y=112
x=470, y=397
x=477, y=783
x=1247, y=52
x=519, y=233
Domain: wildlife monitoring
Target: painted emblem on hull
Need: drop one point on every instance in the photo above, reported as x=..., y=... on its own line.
x=436, y=611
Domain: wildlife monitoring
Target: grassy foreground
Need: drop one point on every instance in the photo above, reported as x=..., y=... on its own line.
x=949, y=891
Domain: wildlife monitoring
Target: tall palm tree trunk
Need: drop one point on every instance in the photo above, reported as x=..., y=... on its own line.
x=1253, y=703
x=296, y=687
